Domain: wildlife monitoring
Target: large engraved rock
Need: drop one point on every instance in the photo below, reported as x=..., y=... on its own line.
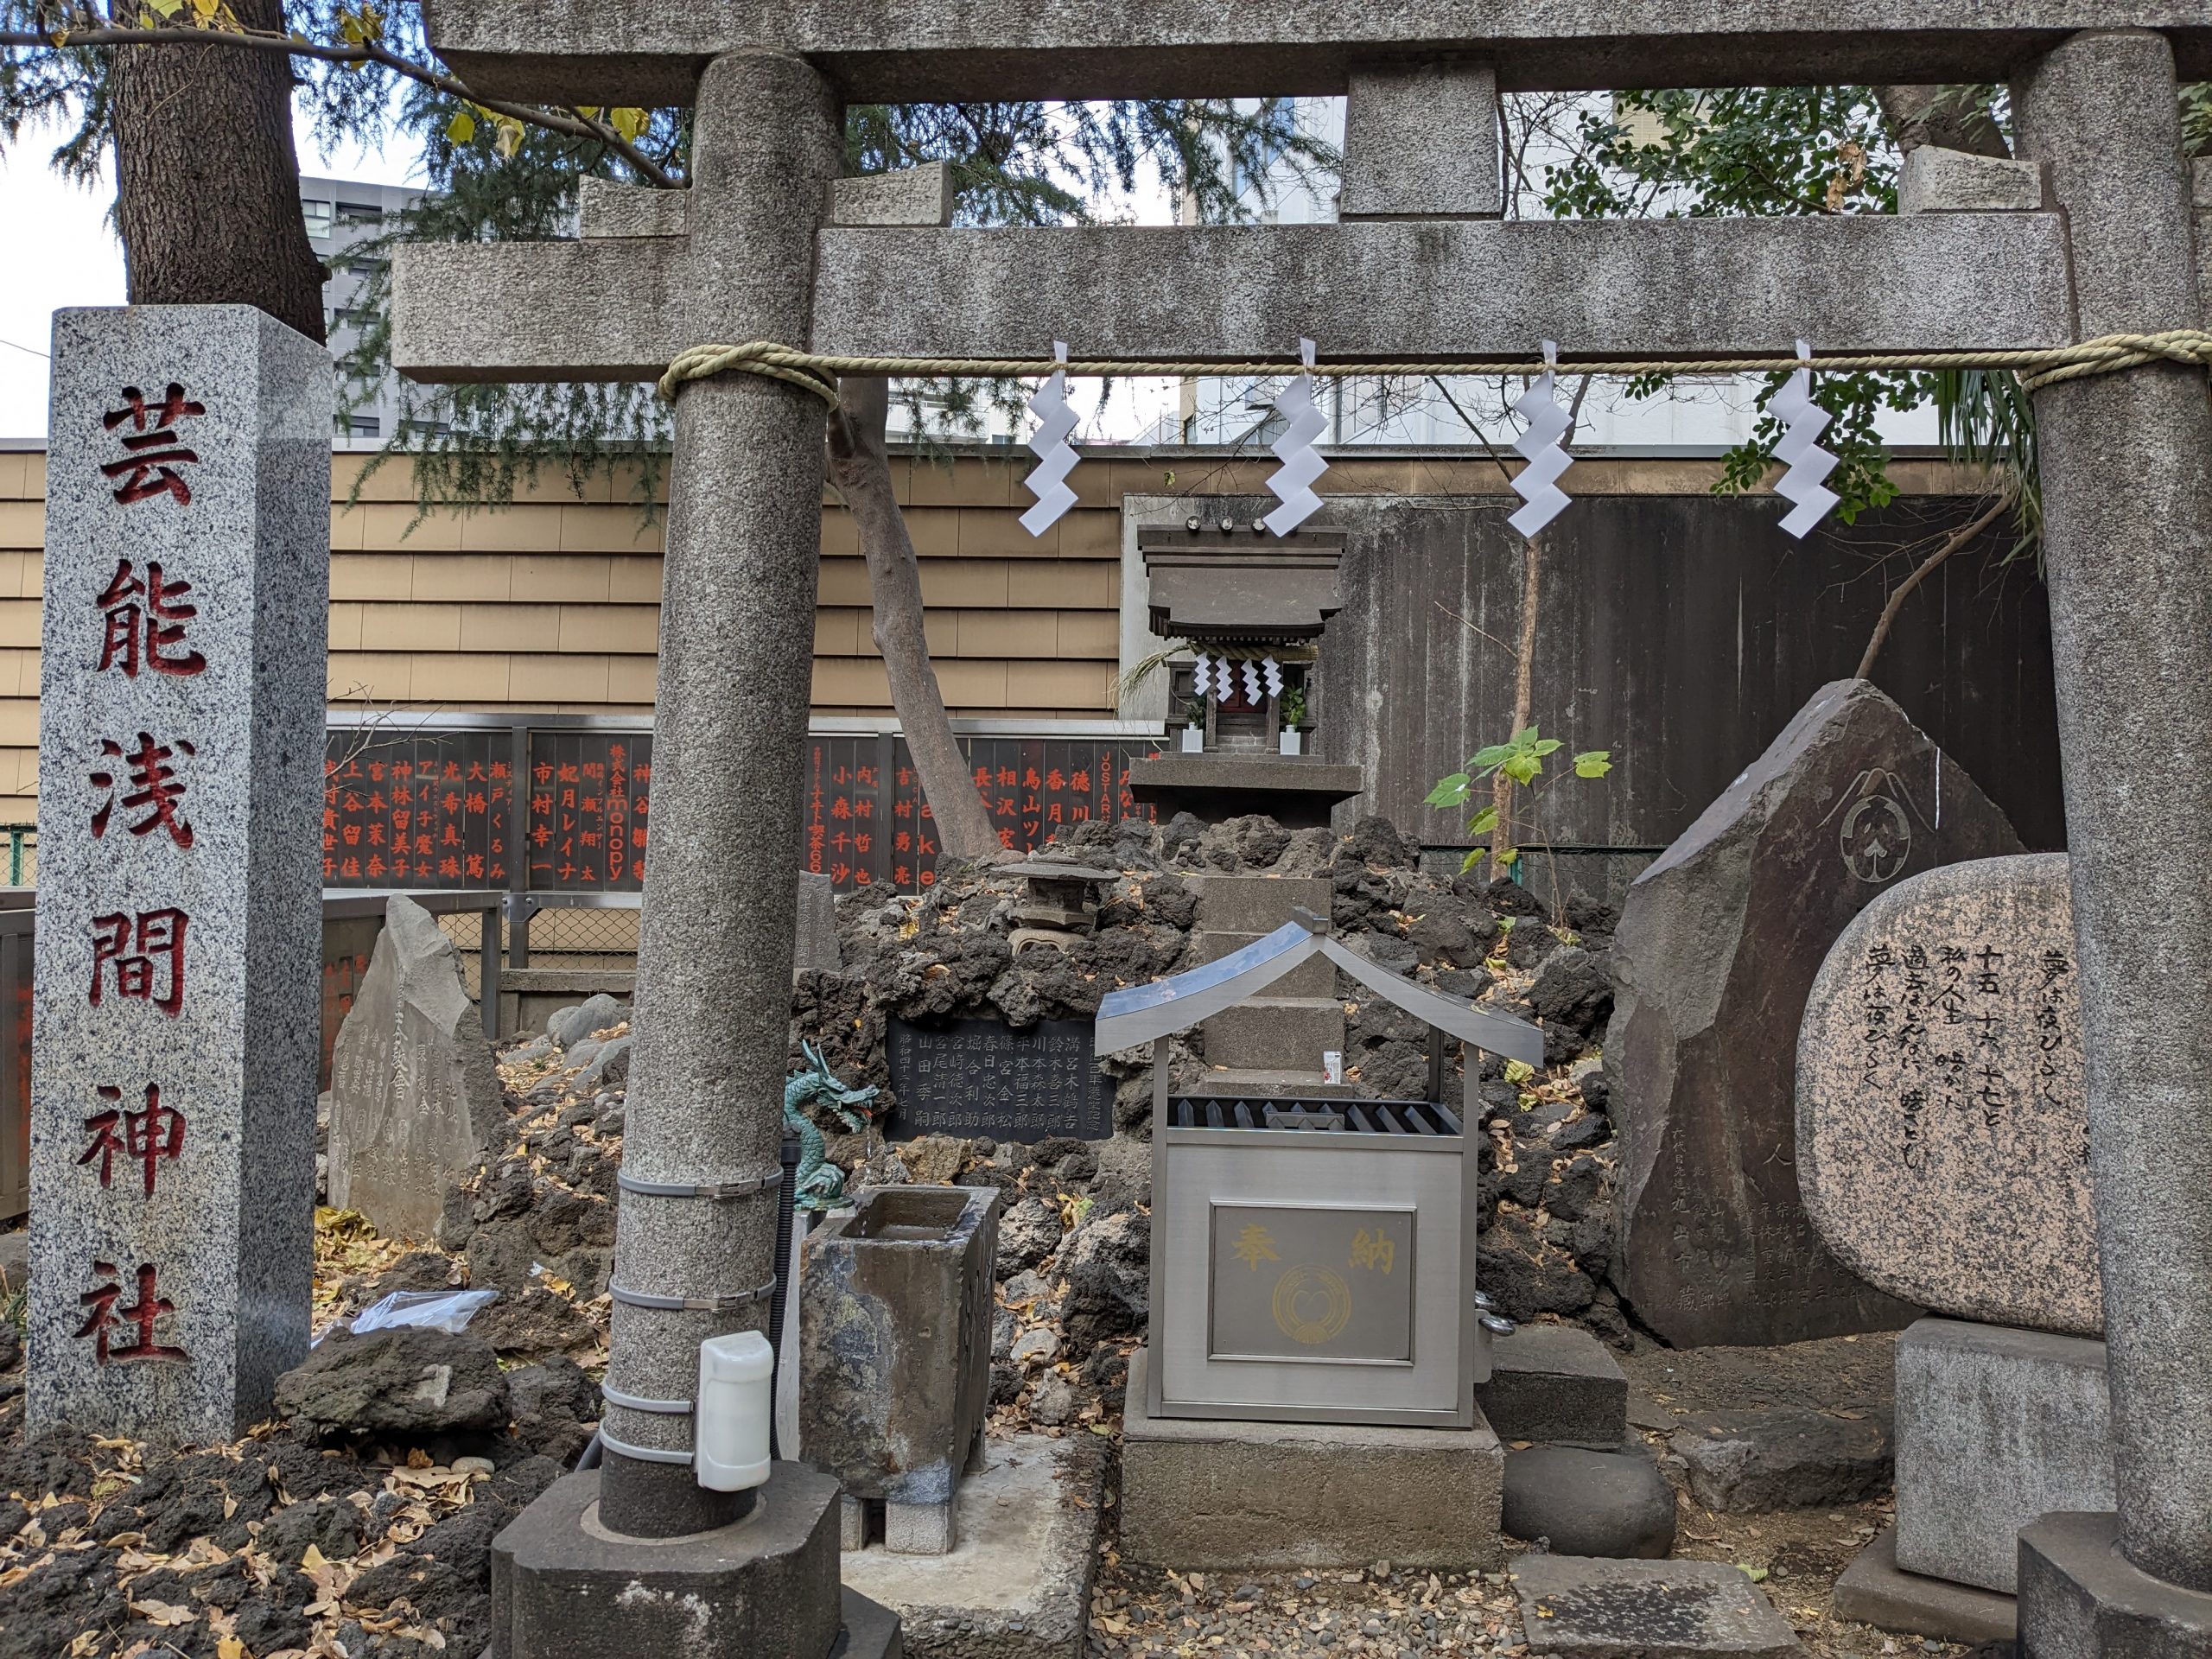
x=1718, y=947
x=1943, y=1119
x=413, y=1096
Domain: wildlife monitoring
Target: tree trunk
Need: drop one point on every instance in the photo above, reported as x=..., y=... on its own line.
x=207, y=187
x=862, y=475
x=1947, y=117
x=1524, y=666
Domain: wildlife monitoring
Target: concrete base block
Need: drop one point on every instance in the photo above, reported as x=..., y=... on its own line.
x=1994, y=1428
x=917, y=1528
x=1589, y=1609
x=1875, y=1591
x=564, y=1587
x=1253, y=904
x=2081, y=1598
x=871, y=1630
x=1017, y=1585
x=1555, y=1385
x=1209, y=1494
x=852, y=1522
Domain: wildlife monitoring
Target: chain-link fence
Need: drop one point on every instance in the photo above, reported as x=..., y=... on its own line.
x=1555, y=875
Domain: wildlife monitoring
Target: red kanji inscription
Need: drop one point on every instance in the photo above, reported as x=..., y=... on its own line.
x=152, y=453
x=144, y=1137
x=152, y=784
x=137, y=1319
x=153, y=971
x=143, y=617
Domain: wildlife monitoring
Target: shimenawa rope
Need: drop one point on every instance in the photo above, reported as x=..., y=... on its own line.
x=2037, y=366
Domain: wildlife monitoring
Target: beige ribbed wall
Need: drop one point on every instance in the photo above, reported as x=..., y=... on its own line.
x=553, y=604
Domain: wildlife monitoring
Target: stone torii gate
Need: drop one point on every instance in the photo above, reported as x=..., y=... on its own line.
x=1420, y=266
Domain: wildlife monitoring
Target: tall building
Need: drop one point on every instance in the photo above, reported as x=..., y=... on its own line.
x=343, y=218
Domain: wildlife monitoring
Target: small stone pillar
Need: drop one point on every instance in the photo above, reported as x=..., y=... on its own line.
x=895, y=1309
x=179, y=915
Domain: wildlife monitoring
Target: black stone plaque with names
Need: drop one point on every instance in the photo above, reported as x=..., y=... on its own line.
x=977, y=1078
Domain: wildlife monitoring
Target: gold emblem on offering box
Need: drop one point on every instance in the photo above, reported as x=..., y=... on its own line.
x=1312, y=1304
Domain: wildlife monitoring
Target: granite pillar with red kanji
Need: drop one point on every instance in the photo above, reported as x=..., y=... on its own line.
x=177, y=971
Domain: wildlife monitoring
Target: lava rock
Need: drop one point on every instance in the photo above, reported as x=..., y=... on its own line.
x=1028, y=1232
x=1107, y=1267
x=1610, y=1503
x=1574, y=990
x=1387, y=951
x=407, y=1382
x=1376, y=840
x=556, y=1406
x=1576, y=1189
x=1790, y=1458
x=569, y=1026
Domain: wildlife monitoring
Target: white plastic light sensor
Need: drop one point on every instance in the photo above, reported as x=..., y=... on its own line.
x=1056, y=457
x=1537, y=483
x=1799, y=449
x=1292, y=482
x=736, y=1404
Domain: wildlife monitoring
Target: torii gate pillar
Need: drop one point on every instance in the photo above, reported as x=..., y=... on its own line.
x=2127, y=504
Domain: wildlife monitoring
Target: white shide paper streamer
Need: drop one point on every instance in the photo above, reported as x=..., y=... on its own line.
x=1537, y=483
x=1056, y=457
x=1799, y=449
x=1273, y=671
x=1251, y=682
x=1292, y=482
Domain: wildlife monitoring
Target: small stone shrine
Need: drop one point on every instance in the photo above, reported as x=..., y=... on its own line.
x=1718, y=947
x=895, y=1312
x=177, y=1033
x=1297, y=1246
x=1249, y=608
x=1942, y=1131
x=414, y=1098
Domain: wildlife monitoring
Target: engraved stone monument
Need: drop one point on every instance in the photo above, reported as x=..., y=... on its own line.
x=1719, y=944
x=981, y=1077
x=179, y=909
x=413, y=1095
x=1942, y=1123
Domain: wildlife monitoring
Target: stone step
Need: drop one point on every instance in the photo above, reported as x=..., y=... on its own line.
x=1315, y=978
x=1276, y=1033
x=1555, y=1384
x=1256, y=904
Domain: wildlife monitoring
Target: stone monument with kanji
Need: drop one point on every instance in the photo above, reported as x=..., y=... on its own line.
x=177, y=1015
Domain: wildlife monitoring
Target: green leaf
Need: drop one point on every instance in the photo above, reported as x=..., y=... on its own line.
x=1519, y=1071
x=1547, y=746
x=1525, y=736
x=1471, y=860
x=165, y=8
x=463, y=128
x=1484, y=821
x=1593, y=763
x=628, y=123
x=1490, y=759
x=1523, y=768
x=1449, y=791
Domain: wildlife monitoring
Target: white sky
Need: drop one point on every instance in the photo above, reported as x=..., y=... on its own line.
x=77, y=260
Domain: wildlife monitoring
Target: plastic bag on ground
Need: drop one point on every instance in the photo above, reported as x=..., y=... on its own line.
x=449, y=1310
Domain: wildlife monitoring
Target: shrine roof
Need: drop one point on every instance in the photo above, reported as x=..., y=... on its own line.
x=1142, y=1013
